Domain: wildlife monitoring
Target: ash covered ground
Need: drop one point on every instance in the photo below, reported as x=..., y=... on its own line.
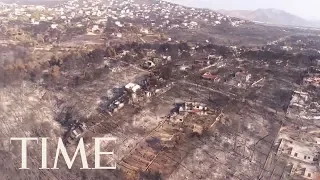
x=189, y=93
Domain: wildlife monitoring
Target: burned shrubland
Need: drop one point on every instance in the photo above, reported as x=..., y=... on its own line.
x=189, y=93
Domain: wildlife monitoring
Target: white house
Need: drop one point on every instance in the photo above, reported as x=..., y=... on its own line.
x=133, y=87
x=54, y=26
x=118, y=23
x=144, y=30
x=299, y=151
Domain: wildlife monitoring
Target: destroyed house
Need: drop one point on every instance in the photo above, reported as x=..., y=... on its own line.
x=243, y=75
x=299, y=152
x=304, y=171
x=313, y=80
x=299, y=99
x=209, y=76
x=116, y=103
x=77, y=131
x=148, y=64
x=115, y=106
x=133, y=87
x=202, y=62
x=144, y=83
x=193, y=107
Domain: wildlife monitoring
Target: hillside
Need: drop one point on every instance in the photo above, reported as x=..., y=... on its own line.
x=270, y=16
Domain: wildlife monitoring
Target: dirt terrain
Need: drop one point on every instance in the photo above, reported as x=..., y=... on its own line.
x=206, y=100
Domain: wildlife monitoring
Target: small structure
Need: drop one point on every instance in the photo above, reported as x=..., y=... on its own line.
x=202, y=62
x=77, y=131
x=118, y=24
x=313, y=80
x=148, y=94
x=133, y=87
x=148, y=65
x=210, y=76
x=185, y=68
x=95, y=29
x=119, y=35
x=117, y=104
x=144, y=31
x=304, y=158
x=299, y=151
x=54, y=26
x=299, y=99
x=211, y=56
x=197, y=129
x=304, y=171
x=194, y=107
x=243, y=76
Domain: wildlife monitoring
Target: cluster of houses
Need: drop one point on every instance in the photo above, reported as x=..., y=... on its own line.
x=238, y=78
x=181, y=110
x=313, y=79
x=299, y=142
x=303, y=108
x=96, y=15
x=128, y=93
x=133, y=92
x=194, y=107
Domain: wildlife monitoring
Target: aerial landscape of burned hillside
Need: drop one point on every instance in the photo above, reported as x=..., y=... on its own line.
x=188, y=93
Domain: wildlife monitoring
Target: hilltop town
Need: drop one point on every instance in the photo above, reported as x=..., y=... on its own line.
x=188, y=93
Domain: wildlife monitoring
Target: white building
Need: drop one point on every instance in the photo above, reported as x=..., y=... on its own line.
x=54, y=26
x=296, y=150
x=303, y=157
x=132, y=87
x=118, y=23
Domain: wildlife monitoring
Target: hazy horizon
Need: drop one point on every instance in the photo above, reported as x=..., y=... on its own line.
x=307, y=9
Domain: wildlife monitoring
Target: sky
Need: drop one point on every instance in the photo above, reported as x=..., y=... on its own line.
x=308, y=9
